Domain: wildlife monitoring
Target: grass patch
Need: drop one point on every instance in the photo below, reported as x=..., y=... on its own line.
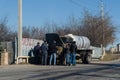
x=110, y=57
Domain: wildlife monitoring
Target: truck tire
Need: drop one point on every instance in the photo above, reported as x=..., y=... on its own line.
x=83, y=58
x=86, y=59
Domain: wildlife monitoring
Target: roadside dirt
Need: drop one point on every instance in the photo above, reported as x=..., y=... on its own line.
x=110, y=57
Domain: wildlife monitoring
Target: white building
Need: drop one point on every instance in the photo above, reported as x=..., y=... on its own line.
x=113, y=49
x=118, y=47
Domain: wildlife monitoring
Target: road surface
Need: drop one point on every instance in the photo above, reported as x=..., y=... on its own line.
x=93, y=71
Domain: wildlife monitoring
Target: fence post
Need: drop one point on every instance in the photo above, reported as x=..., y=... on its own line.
x=16, y=49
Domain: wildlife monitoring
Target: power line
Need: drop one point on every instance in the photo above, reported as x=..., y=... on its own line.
x=75, y=3
x=81, y=5
x=88, y=2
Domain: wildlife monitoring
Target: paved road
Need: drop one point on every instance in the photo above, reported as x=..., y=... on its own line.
x=94, y=71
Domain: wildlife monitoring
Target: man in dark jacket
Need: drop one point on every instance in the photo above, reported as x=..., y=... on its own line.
x=36, y=52
x=44, y=53
x=73, y=49
x=53, y=51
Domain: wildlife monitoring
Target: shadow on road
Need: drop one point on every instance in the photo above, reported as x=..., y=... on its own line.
x=78, y=72
x=106, y=64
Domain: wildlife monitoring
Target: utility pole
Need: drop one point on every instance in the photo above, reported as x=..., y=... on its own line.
x=19, y=27
x=102, y=9
x=102, y=20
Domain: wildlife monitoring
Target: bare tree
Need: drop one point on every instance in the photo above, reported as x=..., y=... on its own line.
x=26, y=31
x=99, y=31
x=6, y=34
x=33, y=32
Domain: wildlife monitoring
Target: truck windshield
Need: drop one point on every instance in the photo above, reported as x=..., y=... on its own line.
x=66, y=39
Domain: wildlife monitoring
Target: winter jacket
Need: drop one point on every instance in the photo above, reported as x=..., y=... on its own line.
x=44, y=48
x=53, y=48
x=73, y=48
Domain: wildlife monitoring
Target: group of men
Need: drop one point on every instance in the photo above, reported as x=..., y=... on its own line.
x=70, y=53
x=41, y=53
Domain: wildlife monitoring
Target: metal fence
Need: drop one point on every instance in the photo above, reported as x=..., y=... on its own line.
x=12, y=48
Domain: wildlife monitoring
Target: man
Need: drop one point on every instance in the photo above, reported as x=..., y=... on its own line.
x=53, y=52
x=67, y=53
x=44, y=52
x=73, y=48
x=36, y=52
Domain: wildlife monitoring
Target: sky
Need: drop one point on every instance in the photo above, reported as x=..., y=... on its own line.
x=39, y=12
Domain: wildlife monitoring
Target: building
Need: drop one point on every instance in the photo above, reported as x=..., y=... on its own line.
x=118, y=47
x=113, y=49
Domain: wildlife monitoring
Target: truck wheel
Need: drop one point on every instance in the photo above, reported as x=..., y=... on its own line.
x=88, y=59
x=83, y=59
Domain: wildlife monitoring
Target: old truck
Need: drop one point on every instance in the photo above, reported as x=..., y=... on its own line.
x=84, y=51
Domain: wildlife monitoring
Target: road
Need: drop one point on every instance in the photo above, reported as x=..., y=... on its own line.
x=93, y=71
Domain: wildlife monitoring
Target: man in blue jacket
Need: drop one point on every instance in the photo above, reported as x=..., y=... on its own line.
x=44, y=53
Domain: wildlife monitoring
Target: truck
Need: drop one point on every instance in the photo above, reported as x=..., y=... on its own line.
x=84, y=51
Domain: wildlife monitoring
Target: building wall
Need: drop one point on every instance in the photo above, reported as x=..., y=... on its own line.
x=113, y=49
x=118, y=47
